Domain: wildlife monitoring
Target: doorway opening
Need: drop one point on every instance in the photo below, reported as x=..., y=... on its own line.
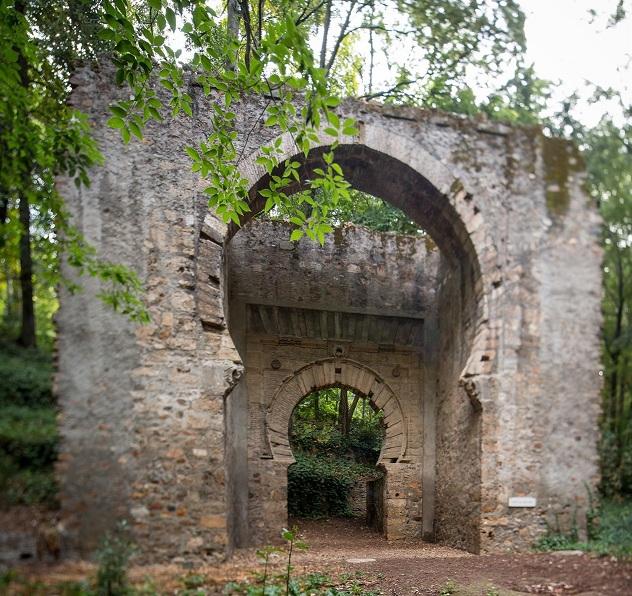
x=336, y=437
x=393, y=314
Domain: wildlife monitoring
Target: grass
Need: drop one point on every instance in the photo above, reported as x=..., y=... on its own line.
x=612, y=536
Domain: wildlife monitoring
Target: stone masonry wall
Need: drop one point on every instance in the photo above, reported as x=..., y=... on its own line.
x=143, y=423
x=353, y=272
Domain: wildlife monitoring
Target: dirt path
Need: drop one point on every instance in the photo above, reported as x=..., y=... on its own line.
x=408, y=569
x=348, y=551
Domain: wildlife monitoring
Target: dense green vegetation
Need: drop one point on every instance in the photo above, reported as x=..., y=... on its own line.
x=28, y=428
x=336, y=438
x=610, y=532
x=374, y=213
x=26, y=376
x=608, y=149
x=28, y=449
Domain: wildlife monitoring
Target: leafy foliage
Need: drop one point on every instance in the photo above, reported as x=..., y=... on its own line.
x=616, y=460
x=316, y=427
x=26, y=377
x=362, y=443
x=28, y=428
x=450, y=38
x=28, y=449
x=365, y=210
x=374, y=213
x=113, y=558
x=331, y=454
x=278, y=65
x=612, y=536
x=41, y=137
x=609, y=162
x=29, y=436
x=319, y=486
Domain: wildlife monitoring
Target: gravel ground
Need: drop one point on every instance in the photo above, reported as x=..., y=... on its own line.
x=347, y=549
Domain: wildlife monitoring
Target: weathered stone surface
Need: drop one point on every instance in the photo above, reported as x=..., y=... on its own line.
x=505, y=377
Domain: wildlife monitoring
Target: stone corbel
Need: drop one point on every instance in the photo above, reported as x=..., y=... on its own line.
x=473, y=392
x=233, y=373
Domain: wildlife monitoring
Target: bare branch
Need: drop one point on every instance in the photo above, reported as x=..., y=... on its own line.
x=306, y=15
x=323, y=46
x=341, y=36
x=396, y=87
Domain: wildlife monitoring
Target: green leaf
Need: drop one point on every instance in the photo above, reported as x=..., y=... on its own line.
x=135, y=129
x=192, y=153
x=287, y=535
x=118, y=111
x=171, y=18
x=116, y=122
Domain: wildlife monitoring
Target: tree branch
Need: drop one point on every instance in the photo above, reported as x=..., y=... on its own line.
x=306, y=15
x=341, y=36
x=323, y=45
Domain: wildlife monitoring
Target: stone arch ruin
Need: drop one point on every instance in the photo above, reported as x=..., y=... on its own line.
x=394, y=458
x=487, y=334
x=335, y=372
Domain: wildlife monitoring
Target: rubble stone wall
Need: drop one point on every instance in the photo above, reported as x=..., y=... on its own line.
x=352, y=273
x=514, y=389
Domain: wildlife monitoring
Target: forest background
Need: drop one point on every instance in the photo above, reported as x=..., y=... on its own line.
x=463, y=56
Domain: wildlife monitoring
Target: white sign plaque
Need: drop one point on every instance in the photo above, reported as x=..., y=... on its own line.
x=522, y=501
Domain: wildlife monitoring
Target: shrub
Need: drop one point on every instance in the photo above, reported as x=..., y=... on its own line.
x=27, y=487
x=616, y=467
x=113, y=558
x=29, y=435
x=613, y=536
x=26, y=376
x=319, y=486
x=28, y=449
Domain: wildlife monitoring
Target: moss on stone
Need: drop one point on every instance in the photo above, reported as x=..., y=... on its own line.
x=560, y=159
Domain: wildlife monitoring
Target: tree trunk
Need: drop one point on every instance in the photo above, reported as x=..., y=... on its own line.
x=27, y=332
x=4, y=207
x=4, y=214
x=341, y=35
x=260, y=22
x=323, y=46
x=9, y=313
x=343, y=412
x=232, y=27
x=232, y=18
x=245, y=14
x=354, y=404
